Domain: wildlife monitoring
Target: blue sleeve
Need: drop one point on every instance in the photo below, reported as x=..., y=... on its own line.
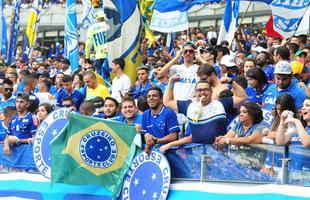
x=300, y=97
x=8, y=130
x=183, y=106
x=59, y=98
x=172, y=122
x=228, y=104
x=143, y=125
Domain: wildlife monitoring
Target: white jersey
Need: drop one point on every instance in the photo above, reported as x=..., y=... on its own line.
x=120, y=84
x=184, y=89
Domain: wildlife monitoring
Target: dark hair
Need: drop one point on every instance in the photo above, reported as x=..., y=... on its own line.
x=293, y=47
x=128, y=98
x=206, y=70
x=241, y=80
x=14, y=74
x=254, y=111
x=89, y=107
x=112, y=99
x=120, y=62
x=47, y=84
x=302, y=38
x=66, y=78
x=25, y=72
x=67, y=98
x=142, y=103
x=213, y=41
x=10, y=110
x=8, y=82
x=202, y=81
x=156, y=89
x=286, y=102
x=225, y=42
x=226, y=93
x=283, y=52
x=257, y=74
x=48, y=107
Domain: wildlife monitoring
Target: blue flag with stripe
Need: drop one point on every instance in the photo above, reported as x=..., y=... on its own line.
x=71, y=35
x=14, y=30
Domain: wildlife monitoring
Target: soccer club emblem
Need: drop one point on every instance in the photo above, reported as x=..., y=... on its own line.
x=46, y=132
x=147, y=178
x=98, y=149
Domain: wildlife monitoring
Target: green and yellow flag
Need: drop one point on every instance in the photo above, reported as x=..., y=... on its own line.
x=91, y=151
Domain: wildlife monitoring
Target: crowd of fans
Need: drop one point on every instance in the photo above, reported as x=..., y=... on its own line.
x=188, y=95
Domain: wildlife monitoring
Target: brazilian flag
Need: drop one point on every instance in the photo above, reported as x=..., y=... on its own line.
x=91, y=151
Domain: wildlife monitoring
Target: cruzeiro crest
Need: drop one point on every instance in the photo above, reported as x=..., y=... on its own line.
x=98, y=149
x=147, y=178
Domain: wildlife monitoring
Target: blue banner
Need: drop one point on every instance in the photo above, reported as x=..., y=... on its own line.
x=14, y=30
x=4, y=42
x=71, y=35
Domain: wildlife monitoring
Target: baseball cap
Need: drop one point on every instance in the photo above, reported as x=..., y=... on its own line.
x=297, y=67
x=228, y=61
x=212, y=50
x=283, y=67
x=22, y=95
x=98, y=102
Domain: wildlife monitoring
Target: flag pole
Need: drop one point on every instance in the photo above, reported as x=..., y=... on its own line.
x=241, y=22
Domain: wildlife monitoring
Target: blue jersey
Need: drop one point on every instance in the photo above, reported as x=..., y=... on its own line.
x=162, y=86
x=24, y=127
x=140, y=90
x=3, y=130
x=76, y=95
x=272, y=93
x=160, y=125
x=10, y=102
x=136, y=120
x=295, y=140
x=256, y=96
x=212, y=121
x=269, y=69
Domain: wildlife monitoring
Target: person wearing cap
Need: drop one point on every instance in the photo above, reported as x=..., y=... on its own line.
x=69, y=91
x=96, y=37
x=144, y=82
x=23, y=125
x=8, y=99
x=187, y=72
x=228, y=67
x=65, y=66
x=121, y=83
x=209, y=56
x=284, y=84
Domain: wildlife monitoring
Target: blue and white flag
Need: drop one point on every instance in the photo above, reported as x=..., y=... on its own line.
x=1, y=32
x=14, y=30
x=124, y=33
x=170, y=43
x=71, y=35
x=229, y=21
x=180, y=5
x=4, y=43
x=287, y=15
x=89, y=14
x=167, y=22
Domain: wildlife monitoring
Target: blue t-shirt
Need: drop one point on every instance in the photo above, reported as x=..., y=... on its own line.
x=9, y=102
x=256, y=96
x=76, y=95
x=140, y=90
x=272, y=93
x=3, y=130
x=162, y=86
x=240, y=132
x=24, y=127
x=136, y=120
x=269, y=69
x=211, y=122
x=160, y=125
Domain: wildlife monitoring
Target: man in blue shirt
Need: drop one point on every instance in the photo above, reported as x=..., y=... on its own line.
x=159, y=123
x=68, y=91
x=207, y=117
x=144, y=83
x=8, y=99
x=283, y=85
x=23, y=126
x=129, y=112
x=8, y=113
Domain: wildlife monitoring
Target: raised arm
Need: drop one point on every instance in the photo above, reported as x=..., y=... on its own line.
x=167, y=67
x=168, y=96
x=239, y=93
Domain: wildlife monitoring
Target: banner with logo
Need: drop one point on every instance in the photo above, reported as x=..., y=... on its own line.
x=71, y=35
x=124, y=34
x=91, y=150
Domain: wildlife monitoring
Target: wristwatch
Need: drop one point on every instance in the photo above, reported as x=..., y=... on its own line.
x=17, y=141
x=155, y=140
x=227, y=141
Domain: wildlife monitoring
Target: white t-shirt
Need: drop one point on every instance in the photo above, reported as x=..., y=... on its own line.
x=184, y=89
x=211, y=34
x=120, y=84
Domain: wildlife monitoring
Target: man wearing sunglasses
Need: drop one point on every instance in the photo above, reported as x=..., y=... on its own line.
x=184, y=88
x=8, y=99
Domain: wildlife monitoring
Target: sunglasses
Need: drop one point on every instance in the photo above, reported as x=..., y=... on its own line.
x=202, y=89
x=66, y=106
x=189, y=51
x=8, y=89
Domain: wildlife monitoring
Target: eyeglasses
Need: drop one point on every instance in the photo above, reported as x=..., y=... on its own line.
x=8, y=89
x=189, y=51
x=202, y=89
x=66, y=106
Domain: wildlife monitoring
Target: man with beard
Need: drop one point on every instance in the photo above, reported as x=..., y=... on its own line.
x=23, y=126
x=8, y=99
x=159, y=123
x=207, y=117
x=262, y=60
